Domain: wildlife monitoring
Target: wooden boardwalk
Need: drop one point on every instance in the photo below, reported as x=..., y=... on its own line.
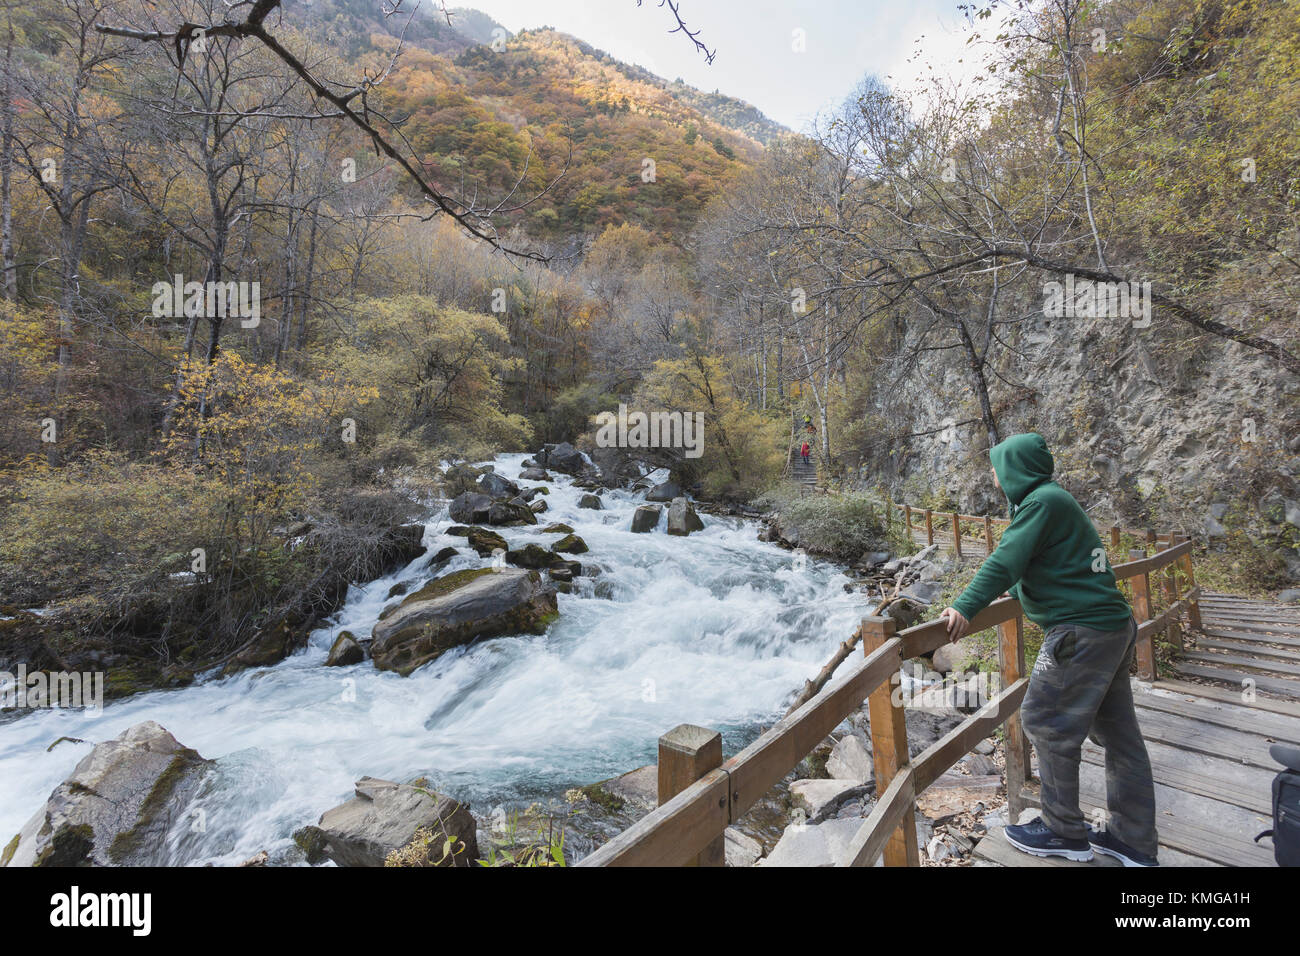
x=1213, y=774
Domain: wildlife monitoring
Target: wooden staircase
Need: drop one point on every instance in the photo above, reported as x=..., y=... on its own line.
x=805, y=475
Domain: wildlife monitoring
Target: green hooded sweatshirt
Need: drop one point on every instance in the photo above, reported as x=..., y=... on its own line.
x=1050, y=557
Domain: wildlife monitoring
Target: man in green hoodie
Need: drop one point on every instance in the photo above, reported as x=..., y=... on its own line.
x=1052, y=561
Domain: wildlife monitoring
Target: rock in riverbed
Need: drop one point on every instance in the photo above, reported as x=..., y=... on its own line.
x=117, y=806
x=458, y=608
x=682, y=519
x=345, y=650
x=570, y=544
x=664, y=492
x=498, y=486
x=562, y=457
x=485, y=542
x=384, y=816
x=470, y=508
x=645, y=519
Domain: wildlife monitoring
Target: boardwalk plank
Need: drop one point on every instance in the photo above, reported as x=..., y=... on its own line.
x=1234, y=716
x=1244, y=662
x=1212, y=692
x=1242, y=786
x=1273, y=685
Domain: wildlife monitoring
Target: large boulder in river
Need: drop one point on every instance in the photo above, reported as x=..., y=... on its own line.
x=535, y=474
x=645, y=519
x=117, y=806
x=470, y=508
x=666, y=491
x=458, y=608
x=562, y=457
x=591, y=502
x=498, y=486
x=384, y=816
x=682, y=519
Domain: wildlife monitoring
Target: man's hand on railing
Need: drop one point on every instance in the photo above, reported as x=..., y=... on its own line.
x=957, y=625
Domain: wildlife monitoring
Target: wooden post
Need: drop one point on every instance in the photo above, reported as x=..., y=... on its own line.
x=988, y=535
x=1194, y=606
x=929, y=527
x=1114, y=540
x=1141, y=584
x=889, y=743
x=907, y=521
x=1151, y=540
x=956, y=535
x=687, y=753
x=1169, y=582
x=1011, y=664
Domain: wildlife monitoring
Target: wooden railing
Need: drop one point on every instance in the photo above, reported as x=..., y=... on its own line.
x=959, y=526
x=701, y=794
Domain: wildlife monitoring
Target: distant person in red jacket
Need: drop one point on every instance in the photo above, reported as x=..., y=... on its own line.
x=805, y=451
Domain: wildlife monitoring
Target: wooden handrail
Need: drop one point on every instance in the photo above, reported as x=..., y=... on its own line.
x=1157, y=561
x=686, y=824
x=687, y=827
x=679, y=830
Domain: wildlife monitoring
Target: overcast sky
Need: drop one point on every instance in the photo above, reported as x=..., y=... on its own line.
x=754, y=39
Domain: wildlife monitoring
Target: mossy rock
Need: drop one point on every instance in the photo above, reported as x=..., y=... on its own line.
x=444, y=585
x=311, y=840
x=557, y=528
x=459, y=608
x=531, y=556
x=129, y=842
x=602, y=797
x=570, y=544
x=8, y=853
x=345, y=651
x=485, y=542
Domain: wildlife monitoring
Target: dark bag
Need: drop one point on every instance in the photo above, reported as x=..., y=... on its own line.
x=1286, y=806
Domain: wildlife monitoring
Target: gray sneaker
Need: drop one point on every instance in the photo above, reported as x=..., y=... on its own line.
x=1108, y=845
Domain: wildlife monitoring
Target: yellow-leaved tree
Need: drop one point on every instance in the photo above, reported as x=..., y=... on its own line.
x=742, y=453
x=438, y=373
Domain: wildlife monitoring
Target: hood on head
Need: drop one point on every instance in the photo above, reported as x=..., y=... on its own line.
x=1022, y=463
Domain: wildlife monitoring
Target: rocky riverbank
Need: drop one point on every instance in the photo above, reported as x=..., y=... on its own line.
x=508, y=588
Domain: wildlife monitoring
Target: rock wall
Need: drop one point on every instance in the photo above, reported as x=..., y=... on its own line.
x=1148, y=426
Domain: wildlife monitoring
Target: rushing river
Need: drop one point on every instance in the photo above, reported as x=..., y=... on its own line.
x=717, y=629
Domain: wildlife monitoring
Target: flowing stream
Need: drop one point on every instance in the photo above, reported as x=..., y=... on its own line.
x=717, y=629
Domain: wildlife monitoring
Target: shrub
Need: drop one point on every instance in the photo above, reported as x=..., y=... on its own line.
x=839, y=526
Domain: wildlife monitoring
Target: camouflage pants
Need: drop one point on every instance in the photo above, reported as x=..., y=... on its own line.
x=1080, y=688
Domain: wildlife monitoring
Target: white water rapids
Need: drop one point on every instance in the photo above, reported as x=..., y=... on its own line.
x=717, y=629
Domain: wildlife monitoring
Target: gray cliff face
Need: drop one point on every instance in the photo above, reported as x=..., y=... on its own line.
x=1148, y=426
